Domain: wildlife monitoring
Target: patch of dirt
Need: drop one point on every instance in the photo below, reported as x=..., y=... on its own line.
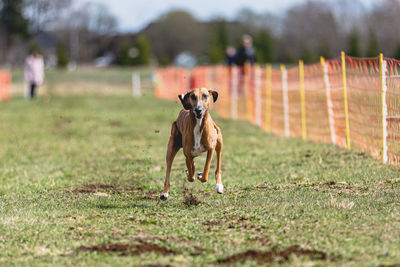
x=189, y=198
x=212, y=223
x=197, y=251
x=274, y=255
x=115, y=123
x=335, y=187
x=156, y=265
x=107, y=189
x=233, y=221
x=150, y=195
x=128, y=249
x=93, y=188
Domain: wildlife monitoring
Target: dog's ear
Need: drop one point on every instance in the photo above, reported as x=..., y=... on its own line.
x=214, y=94
x=185, y=101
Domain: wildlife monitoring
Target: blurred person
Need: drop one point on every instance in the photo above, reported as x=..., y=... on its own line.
x=33, y=72
x=230, y=56
x=246, y=53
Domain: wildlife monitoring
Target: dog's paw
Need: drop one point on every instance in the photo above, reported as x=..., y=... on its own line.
x=201, y=177
x=220, y=189
x=190, y=179
x=164, y=196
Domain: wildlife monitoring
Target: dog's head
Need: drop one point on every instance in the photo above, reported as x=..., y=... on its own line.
x=198, y=100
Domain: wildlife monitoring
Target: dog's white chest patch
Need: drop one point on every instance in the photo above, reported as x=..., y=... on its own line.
x=197, y=147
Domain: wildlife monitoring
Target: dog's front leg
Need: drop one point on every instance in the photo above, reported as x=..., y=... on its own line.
x=204, y=177
x=190, y=168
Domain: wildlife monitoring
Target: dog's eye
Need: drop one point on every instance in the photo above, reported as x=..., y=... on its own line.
x=205, y=97
x=193, y=97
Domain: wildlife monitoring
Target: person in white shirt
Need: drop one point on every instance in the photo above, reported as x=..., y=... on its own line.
x=34, y=72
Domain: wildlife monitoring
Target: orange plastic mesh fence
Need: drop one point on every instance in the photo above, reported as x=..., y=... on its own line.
x=364, y=102
x=294, y=103
x=5, y=85
x=317, y=119
x=334, y=80
x=272, y=99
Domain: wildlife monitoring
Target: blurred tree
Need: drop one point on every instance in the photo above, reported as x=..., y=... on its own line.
x=354, y=49
x=264, y=45
x=144, y=53
x=307, y=25
x=34, y=47
x=324, y=50
x=124, y=58
x=308, y=55
x=372, y=49
x=219, y=42
x=62, y=56
x=383, y=20
x=289, y=58
x=397, y=51
x=44, y=13
x=175, y=32
x=13, y=19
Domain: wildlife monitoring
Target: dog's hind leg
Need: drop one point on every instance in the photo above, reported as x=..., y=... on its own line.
x=218, y=179
x=174, y=144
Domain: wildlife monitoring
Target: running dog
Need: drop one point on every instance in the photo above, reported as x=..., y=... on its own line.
x=195, y=131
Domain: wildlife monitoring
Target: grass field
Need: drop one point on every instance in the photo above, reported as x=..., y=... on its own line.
x=80, y=179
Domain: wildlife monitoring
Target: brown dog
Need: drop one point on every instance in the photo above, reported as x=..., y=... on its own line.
x=195, y=131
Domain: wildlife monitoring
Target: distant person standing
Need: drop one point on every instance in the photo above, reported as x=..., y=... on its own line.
x=230, y=56
x=246, y=53
x=34, y=73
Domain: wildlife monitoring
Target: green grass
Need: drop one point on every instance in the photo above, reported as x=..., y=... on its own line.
x=279, y=192
x=100, y=75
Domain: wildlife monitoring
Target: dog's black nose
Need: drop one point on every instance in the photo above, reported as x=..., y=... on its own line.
x=197, y=111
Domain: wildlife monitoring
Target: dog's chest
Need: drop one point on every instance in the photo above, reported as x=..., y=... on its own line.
x=198, y=148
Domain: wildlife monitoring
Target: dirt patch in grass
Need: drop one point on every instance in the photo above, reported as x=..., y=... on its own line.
x=150, y=195
x=156, y=265
x=107, y=189
x=114, y=123
x=233, y=221
x=189, y=198
x=212, y=223
x=93, y=188
x=333, y=187
x=274, y=255
x=128, y=249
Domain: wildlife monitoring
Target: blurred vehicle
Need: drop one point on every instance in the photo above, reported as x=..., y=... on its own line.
x=104, y=61
x=186, y=59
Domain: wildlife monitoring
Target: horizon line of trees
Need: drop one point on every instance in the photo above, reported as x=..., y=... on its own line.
x=305, y=31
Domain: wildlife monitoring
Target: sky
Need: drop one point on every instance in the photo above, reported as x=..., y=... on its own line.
x=135, y=14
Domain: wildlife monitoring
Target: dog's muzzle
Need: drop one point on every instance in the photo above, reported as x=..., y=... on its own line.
x=198, y=113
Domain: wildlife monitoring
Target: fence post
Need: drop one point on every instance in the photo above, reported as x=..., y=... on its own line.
x=302, y=100
x=247, y=80
x=285, y=100
x=2, y=86
x=383, y=69
x=234, y=93
x=268, y=88
x=346, y=109
x=257, y=77
x=328, y=100
x=136, y=84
